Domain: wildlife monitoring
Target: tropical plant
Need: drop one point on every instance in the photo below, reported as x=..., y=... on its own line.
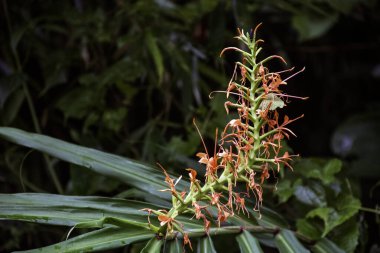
x=249, y=152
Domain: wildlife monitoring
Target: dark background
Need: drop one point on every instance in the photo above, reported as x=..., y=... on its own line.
x=128, y=77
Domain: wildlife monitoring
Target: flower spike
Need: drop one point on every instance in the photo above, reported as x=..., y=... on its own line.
x=249, y=150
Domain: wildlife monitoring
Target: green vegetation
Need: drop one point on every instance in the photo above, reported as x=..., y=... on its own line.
x=126, y=79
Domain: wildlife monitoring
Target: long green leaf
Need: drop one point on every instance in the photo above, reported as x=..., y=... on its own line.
x=175, y=246
x=205, y=245
x=69, y=210
x=154, y=50
x=82, y=212
x=326, y=246
x=131, y=172
x=153, y=246
x=287, y=242
x=266, y=218
x=248, y=243
x=139, y=175
x=103, y=239
x=134, y=173
x=269, y=218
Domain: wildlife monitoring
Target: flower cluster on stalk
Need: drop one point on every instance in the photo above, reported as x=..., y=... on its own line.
x=249, y=150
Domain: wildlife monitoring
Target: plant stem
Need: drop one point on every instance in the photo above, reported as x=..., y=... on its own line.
x=370, y=210
x=223, y=230
x=245, y=154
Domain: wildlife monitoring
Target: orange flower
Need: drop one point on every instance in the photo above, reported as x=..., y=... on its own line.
x=198, y=210
x=192, y=175
x=215, y=198
x=168, y=180
x=165, y=220
x=285, y=159
x=240, y=204
x=264, y=173
x=186, y=240
x=223, y=214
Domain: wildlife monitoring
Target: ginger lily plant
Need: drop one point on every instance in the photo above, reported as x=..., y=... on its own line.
x=248, y=150
x=247, y=153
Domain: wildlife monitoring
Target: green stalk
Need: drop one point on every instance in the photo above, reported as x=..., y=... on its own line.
x=244, y=162
x=224, y=230
x=208, y=187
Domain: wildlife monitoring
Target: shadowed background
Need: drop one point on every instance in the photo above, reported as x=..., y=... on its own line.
x=128, y=77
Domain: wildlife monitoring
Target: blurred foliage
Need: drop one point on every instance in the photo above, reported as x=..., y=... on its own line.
x=129, y=76
x=321, y=203
x=357, y=141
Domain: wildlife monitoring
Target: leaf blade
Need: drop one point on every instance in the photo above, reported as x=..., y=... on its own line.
x=102, y=239
x=326, y=246
x=69, y=210
x=80, y=211
x=175, y=246
x=156, y=55
x=205, y=245
x=248, y=243
x=153, y=246
x=134, y=173
x=288, y=243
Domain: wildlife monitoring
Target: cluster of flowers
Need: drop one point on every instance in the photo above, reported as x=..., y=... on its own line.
x=248, y=150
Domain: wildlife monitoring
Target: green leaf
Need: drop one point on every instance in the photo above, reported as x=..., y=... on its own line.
x=82, y=212
x=332, y=167
x=268, y=218
x=131, y=172
x=272, y=101
x=86, y=182
x=248, y=243
x=310, y=26
x=358, y=140
x=347, y=235
x=156, y=54
x=175, y=246
x=134, y=193
x=70, y=210
x=114, y=119
x=12, y=107
x=344, y=6
x=8, y=85
x=212, y=73
x=205, y=245
x=311, y=194
x=153, y=246
x=346, y=207
x=327, y=214
x=326, y=246
x=79, y=102
x=19, y=32
x=287, y=242
x=103, y=239
x=286, y=188
x=55, y=74
x=321, y=169
x=195, y=10
x=323, y=220
x=309, y=229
